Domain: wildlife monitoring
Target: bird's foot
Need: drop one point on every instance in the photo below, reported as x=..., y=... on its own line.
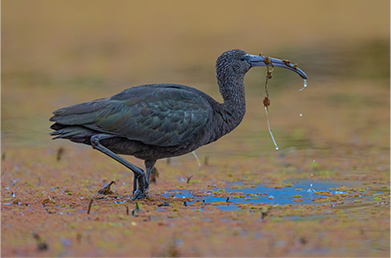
x=146, y=190
x=138, y=194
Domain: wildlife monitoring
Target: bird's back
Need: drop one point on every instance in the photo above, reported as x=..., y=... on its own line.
x=160, y=115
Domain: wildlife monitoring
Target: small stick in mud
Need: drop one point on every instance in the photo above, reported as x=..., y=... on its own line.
x=3, y=172
x=136, y=210
x=264, y=212
x=106, y=190
x=90, y=204
x=60, y=152
x=163, y=204
x=42, y=245
x=206, y=160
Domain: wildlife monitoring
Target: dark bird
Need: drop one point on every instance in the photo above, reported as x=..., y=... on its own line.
x=156, y=121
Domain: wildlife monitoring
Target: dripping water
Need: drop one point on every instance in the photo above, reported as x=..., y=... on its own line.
x=305, y=85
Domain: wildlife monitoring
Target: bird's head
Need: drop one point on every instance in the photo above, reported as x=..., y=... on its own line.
x=237, y=62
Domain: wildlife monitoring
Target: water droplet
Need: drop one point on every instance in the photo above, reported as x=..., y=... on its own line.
x=311, y=189
x=301, y=114
x=313, y=160
x=305, y=85
x=277, y=148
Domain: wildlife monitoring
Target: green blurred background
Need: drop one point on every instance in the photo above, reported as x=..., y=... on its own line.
x=59, y=53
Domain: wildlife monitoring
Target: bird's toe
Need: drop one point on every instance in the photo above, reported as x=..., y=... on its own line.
x=138, y=195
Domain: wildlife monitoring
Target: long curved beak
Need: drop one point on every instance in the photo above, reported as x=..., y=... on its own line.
x=254, y=60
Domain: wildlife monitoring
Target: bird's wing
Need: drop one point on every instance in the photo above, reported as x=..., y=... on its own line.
x=161, y=115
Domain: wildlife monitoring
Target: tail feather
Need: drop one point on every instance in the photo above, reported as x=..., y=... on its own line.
x=79, y=114
x=77, y=134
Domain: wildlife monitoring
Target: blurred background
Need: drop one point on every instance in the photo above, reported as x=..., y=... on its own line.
x=59, y=53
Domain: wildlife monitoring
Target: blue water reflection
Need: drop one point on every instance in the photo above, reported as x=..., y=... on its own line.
x=281, y=196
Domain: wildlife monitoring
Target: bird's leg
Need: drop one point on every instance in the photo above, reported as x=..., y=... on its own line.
x=134, y=184
x=149, y=166
x=138, y=172
x=154, y=175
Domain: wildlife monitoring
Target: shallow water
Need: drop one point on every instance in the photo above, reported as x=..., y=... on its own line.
x=307, y=189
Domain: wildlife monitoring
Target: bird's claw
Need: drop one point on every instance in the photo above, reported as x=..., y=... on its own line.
x=138, y=195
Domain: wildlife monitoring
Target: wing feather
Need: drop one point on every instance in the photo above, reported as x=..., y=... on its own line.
x=160, y=114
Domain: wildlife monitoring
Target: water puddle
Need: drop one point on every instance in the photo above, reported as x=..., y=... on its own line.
x=305, y=192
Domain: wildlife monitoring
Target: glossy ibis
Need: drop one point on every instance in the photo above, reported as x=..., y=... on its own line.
x=156, y=121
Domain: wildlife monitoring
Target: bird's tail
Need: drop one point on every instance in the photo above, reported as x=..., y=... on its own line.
x=77, y=134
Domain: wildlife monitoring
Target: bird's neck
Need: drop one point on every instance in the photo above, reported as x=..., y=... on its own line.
x=234, y=106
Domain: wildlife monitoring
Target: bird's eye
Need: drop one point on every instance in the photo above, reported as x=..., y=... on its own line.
x=242, y=58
